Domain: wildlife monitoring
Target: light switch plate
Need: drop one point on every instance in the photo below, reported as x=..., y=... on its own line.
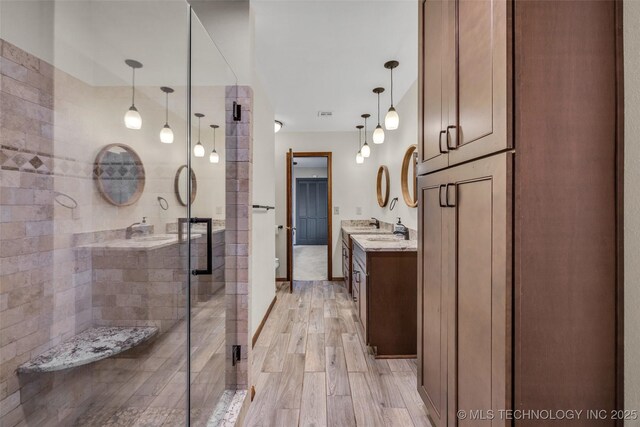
x=219, y=210
x=336, y=210
x=358, y=210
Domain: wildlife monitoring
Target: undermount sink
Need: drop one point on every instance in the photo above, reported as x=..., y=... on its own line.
x=383, y=239
x=152, y=238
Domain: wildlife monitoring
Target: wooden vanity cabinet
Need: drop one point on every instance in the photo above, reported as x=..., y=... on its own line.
x=464, y=91
x=385, y=285
x=346, y=261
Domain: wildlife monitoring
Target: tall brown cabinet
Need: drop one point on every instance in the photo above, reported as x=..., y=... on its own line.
x=519, y=263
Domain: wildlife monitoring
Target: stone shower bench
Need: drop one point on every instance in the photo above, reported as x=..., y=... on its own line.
x=87, y=347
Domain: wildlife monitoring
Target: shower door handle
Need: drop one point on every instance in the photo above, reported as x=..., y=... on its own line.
x=208, y=221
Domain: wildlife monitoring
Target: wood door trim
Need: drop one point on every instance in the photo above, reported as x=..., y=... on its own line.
x=326, y=154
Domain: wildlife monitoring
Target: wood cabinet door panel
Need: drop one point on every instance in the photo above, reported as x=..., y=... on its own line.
x=433, y=93
x=480, y=271
x=432, y=296
x=482, y=80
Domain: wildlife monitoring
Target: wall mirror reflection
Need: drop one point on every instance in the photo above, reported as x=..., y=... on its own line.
x=119, y=174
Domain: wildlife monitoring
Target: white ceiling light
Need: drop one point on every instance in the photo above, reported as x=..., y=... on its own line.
x=277, y=126
x=132, y=118
x=166, y=134
x=391, y=120
x=365, y=150
x=359, y=158
x=378, y=134
x=198, y=149
x=214, y=157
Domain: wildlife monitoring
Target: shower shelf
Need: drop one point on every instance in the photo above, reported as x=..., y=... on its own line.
x=89, y=346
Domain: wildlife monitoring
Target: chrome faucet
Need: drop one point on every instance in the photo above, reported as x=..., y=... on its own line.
x=375, y=222
x=129, y=231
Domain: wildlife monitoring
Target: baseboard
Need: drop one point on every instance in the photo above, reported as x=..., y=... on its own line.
x=264, y=320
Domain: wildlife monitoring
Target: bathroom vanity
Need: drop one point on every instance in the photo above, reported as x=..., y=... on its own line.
x=350, y=228
x=384, y=277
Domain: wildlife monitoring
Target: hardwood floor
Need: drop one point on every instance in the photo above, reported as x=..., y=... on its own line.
x=310, y=367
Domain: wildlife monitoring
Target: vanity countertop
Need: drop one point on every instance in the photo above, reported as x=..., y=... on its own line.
x=349, y=229
x=151, y=241
x=377, y=243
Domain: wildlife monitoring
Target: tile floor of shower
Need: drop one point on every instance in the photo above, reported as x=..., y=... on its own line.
x=146, y=386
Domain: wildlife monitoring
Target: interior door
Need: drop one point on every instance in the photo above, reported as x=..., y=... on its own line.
x=434, y=49
x=482, y=80
x=311, y=211
x=432, y=296
x=290, y=227
x=479, y=355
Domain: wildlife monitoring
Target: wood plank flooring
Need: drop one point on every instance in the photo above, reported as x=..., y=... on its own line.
x=310, y=367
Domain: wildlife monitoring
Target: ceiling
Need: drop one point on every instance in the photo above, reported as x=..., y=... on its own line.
x=328, y=56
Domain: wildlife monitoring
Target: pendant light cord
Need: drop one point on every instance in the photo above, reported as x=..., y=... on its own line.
x=133, y=87
x=359, y=138
x=198, y=129
x=365, y=130
x=378, y=108
x=166, y=117
x=392, y=87
x=214, y=139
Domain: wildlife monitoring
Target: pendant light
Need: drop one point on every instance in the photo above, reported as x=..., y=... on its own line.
x=132, y=118
x=391, y=120
x=166, y=134
x=378, y=134
x=365, y=150
x=198, y=149
x=359, y=158
x=277, y=126
x=214, y=157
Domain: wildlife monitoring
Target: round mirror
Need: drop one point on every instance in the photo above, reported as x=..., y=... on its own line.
x=180, y=184
x=119, y=174
x=382, y=186
x=408, y=177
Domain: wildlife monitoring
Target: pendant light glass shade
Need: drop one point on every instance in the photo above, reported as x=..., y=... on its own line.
x=359, y=157
x=214, y=157
x=277, y=126
x=166, y=134
x=198, y=149
x=132, y=118
x=378, y=133
x=391, y=120
x=366, y=149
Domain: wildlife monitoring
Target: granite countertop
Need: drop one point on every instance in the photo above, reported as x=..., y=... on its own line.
x=349, y=229
x=377, y=243
x=151, y=241
x=89, y=346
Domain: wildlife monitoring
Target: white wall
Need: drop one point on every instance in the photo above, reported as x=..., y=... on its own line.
x=263, y=238
x=354, y=186
x=349, y=184
x=632, y=205
x=391, y=153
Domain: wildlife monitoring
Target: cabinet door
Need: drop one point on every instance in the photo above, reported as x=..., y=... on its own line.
x=432, y=296
x=481, y=91
x=434, y=47
x=479, y=358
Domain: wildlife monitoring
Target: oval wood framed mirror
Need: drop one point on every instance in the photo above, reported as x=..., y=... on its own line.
x=382, y=186
x=119, y=174
x=180, y=185
x=408, y=175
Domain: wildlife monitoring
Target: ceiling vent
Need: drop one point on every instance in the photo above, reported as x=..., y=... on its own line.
x=325, y=114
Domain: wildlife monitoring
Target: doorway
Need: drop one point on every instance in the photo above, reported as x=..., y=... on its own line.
x=309, y=216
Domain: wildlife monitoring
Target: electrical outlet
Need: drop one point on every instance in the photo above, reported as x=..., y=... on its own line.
x=336, y=210
x=358, y=210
